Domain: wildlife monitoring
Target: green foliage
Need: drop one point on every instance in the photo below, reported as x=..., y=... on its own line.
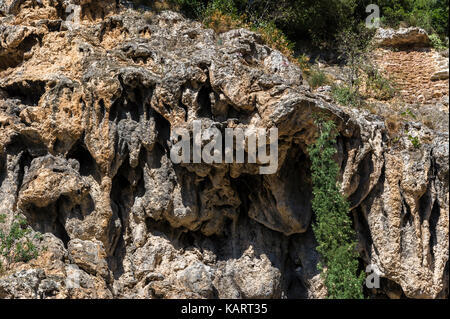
x=224, y=6
x=437, y=43
x=353, y=48
x=303, y=62
x=191, y=8
x=318, y=21
x=16, y=245
x=345, y=95
x=317, y=78
x=408, y=112
x=431, y=15
x=381, y=87
x=414, y=141
x=300, y=18
x=274, y=37
x=333, y=227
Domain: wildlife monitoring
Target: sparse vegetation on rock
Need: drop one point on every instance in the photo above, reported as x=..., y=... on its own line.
x=16, y=245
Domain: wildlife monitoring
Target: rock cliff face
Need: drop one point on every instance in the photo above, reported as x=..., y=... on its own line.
x=89, y=94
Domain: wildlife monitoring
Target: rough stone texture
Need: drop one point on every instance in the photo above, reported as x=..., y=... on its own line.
x=442, y=63
x=403, y=37
x=413, y=72
x=86, y=112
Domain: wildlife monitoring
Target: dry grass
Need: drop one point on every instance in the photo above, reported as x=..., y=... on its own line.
x=394, y=123
x=221, y=22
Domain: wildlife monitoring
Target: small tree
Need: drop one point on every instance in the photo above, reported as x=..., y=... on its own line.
x=353, y=48
x=333, y=227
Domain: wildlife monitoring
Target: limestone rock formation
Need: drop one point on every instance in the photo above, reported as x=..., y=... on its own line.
x=403, y=37
x=442, y=66
x=89, y=94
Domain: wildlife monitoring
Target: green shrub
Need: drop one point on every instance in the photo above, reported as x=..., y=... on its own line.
x=414, y=141
x=317, y=21
x=317, y=78
x=223, y=15
x=345, y=95
x=408, y=112
x=16, y=245
x=193, y=9
x=436, y=42
x=353, y=48
x=333, y=227
x=431, y=15
x=274, y=38
x=380, y=87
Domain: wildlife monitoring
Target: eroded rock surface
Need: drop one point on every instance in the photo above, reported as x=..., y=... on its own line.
x=403, y=37
x=87, y=105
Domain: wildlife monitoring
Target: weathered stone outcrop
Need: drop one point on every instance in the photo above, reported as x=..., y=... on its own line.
x=403, y=37
x=86, y=112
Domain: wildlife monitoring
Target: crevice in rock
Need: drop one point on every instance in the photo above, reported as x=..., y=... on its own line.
x=363, y=232
x=109, y=25
x=3, y=171
x=88, y=166
x=185, y=108
x=101, y=104
x=54, y=25
x=164, y=130
x=62, y=233
x=29, y=143
x=365, y=169
x=11, y=59
x=204, y=102
x=406, y=217
x=433, y=221
x=123, y=195
x=28, y=92
x=132, y=104
x=25, y=162
x=46, y=220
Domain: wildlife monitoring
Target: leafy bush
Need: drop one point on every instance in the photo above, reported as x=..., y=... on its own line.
x=333, y=227
x=431, y=15
x=317, y=78
x=318, y=21
x=414, y=141
x=353, y=48
x=275, y=38
x=16, y=245
x=437, y=43
x=345, y=95
x=223, y=15
x=193, y=9
x=380, y=87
